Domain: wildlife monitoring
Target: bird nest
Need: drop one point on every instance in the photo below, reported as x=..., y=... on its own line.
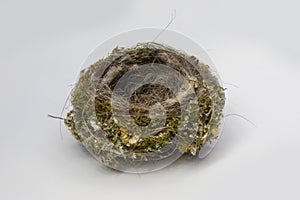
x=145, y=103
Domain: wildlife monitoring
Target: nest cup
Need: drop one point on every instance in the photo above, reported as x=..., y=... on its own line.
x=136, y=110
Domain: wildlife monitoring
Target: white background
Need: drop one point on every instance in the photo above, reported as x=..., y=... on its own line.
x=255, y=45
